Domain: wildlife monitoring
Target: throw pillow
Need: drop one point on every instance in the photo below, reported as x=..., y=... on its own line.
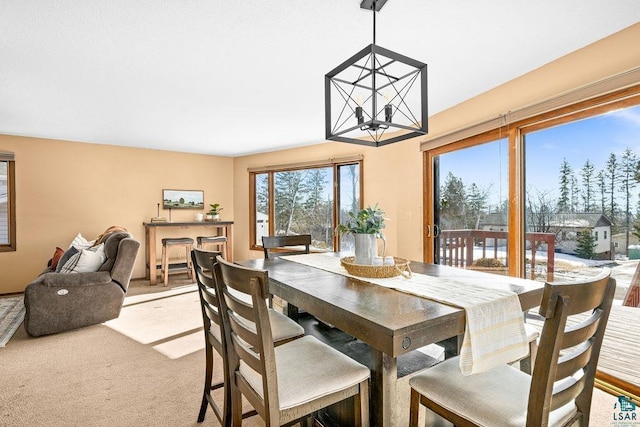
x=56, y=258
x=81, y=243
x=85, y=261
x=65, y=257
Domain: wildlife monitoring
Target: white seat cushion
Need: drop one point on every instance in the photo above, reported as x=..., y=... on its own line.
x=282, y=327
x=308, y=369
x=498, y=397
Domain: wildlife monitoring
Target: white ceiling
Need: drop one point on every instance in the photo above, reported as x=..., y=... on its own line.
x=233, y=77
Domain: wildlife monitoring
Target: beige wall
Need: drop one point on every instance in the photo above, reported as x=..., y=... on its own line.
x=63, y=188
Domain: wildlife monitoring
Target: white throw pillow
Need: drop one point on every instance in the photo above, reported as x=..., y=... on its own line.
x=80, y=242
x=85, y=261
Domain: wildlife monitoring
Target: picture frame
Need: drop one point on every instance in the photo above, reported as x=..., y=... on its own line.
x=182, y=199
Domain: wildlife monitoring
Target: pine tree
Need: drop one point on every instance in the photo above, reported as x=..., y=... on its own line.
x=611, y=180
x=601, y=189
x=452, y=203
x=477, y=200
x=628, y=168
x=586, y=244
x=565, y=186
x=586, y=173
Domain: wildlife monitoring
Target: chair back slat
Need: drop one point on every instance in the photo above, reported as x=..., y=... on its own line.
x=284, y=245
x=571, y=362
x=568, y=354
x=246, y=319
x=584, y=295
x=566, y=391
x=582, y=331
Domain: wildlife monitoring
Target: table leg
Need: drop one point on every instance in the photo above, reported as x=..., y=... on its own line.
x=229, y=233
x=150, y=251
x=383, y=395
x=452, y=346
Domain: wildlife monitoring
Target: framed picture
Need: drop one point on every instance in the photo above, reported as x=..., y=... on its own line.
x=182, y=199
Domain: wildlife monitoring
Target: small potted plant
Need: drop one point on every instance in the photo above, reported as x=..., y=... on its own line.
x=366, y=225
x=214, y=212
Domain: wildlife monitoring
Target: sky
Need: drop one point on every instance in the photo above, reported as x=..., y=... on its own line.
x=594, y=139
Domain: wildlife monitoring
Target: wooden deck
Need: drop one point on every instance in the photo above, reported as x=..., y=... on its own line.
x=620, y=354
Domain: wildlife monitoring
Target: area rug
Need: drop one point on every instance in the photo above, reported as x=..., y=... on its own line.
x=11, y=315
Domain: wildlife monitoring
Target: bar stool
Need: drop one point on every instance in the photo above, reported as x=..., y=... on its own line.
x=220, y=243
x=187, y=243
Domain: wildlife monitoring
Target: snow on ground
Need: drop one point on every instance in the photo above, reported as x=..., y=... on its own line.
x=570, y=267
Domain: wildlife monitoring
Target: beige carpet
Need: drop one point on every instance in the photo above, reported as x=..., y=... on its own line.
x=145, y=368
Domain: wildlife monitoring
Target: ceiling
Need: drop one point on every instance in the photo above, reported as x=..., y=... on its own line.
x=235, y=77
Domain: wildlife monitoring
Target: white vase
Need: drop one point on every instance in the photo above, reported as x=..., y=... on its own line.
x=366, y=248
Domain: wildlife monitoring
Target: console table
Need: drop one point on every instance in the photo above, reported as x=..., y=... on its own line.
x=151, y=268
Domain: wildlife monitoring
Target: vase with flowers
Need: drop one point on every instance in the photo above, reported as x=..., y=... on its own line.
x=366, y=226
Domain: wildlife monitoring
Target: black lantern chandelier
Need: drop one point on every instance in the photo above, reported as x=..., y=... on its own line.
x=377, y=96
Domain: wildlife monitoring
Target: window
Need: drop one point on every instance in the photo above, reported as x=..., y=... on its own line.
x=7, y=203
x=605, y=234
x=595, y=236
x=305, y=198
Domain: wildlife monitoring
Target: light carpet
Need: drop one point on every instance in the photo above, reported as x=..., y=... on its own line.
x=11, y=316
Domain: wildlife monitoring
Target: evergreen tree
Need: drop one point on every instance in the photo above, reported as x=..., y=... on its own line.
x=588, y=178
x=452, y=203
x=636, y=229
x=628, y=169
x=262, y=193
x=586, y=244
x=612, y=180
x=574, y=194
x=601, y=189
x=477, y=201
x=565, y=187
x=289, y=190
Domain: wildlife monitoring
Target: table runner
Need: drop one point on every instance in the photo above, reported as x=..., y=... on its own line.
x=494, y=332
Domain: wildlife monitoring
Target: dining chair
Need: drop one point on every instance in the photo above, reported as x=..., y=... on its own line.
x=286, y=245
x=558, y=393
x=285, y=384
x=284, y=330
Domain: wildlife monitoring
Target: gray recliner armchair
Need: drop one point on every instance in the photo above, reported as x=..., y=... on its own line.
x=57, y=302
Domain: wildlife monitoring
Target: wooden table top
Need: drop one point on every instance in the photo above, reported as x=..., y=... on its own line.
x=391, y=321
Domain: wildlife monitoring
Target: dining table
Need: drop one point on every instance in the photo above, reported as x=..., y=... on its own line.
x=392, y=323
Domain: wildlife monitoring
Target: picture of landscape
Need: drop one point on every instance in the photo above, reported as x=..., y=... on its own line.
x=182, y=199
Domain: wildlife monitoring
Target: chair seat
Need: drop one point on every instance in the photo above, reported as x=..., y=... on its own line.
x=308, y=369
x=177, y=241
x=532, y=332
x=211, y=239
x=498, y=397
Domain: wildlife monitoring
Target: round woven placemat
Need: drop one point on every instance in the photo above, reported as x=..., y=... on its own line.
x=400, y=266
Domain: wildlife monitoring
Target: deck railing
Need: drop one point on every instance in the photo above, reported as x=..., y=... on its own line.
x=457, y=248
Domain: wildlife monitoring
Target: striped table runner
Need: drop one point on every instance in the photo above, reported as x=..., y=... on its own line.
x=494, y=333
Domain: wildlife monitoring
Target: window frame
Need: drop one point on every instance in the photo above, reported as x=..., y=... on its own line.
x=334, y=163
x=11, y=202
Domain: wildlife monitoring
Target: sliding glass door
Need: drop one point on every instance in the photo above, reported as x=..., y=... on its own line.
x=470, y=207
